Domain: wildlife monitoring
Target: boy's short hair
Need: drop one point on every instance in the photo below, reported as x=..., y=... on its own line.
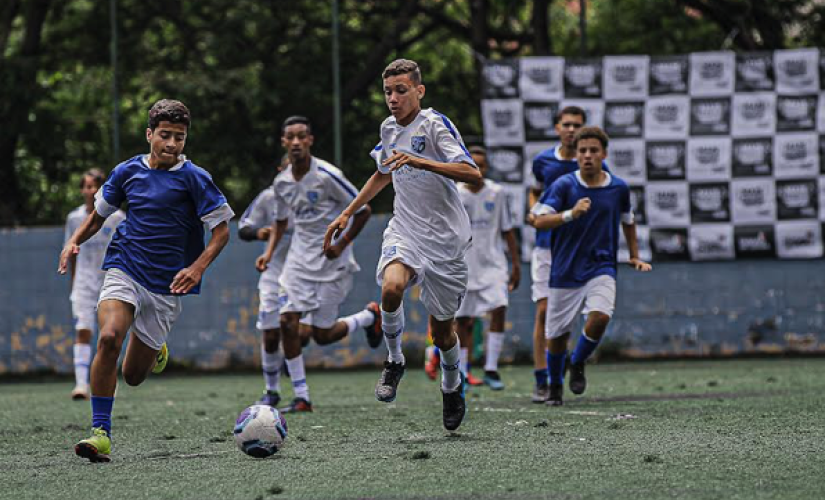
x=403, y=67
x=591, y=133
x=97, y=176
x=478, y=150
x=572, y=110
x=296, y=120
x=169, y=110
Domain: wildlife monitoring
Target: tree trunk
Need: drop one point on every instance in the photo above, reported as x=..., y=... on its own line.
x=540, y=23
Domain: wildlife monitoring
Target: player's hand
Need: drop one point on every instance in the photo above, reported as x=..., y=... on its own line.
x=640, y=265
x=263, y=233
x=334, y=251
x=261, y=262
x=69, y=251
x=398, y=160
x=515, y=278
x=334, y=230
x=186, y=279
x=531, y=219
x=581, y=208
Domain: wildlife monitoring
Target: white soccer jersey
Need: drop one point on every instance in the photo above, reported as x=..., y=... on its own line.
x=427, y=210
x=489, y=216
x=314, y=202
x=88, y=275
x=261, y=213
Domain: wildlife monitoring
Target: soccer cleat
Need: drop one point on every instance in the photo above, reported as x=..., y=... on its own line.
x=555, y=397
x=473, y=381
x=80, y=392
x=387, y=385
x=270, y=398
x=540, y=393
x=432, y=366
x=298, y=405
x=374, y=332
x=161, y=359
x=96, y=448
x=493, y=381
x=578, y=383
x=455, y=406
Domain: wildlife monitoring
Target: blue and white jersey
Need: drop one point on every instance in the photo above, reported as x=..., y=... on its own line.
x=314, y=202
x=261, y=213
x=585, y=247
x=163, y=231
x=88, y=276
x=427, y=210
x=489, y=217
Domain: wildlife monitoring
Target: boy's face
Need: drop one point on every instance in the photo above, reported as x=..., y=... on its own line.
x=297, y=141
x=167, y=142
x=567, y=127
x=403, y=97
x=89, y=188
x=481, y=161
x=590, y=154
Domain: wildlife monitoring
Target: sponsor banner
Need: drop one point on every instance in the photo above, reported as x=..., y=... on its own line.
x=753, y=201
x=797, y=199
x=711, y=242
x=667, y=204
x=669, y=75
x=503, y=122
x=506, y=164
x=625, y=77
x=516, y=202
x=665, y=160
x=624, y=119
x=710, y=116
x=500, y=79
x=821, y=197
x=754, y=72
x=643, y=240
x=820, y=114
x=710, y=202
x=712, y=73
x=755, y=242
x=583, y=78
x=637, y=203
x=822, y=154
x=753, y=115
x=531, y=150
x=542, y=78
x=795, y=155
x=796, y=113
x=593, y=108
x=797, y=71
x=539, y=120
x=752, y=157
x=626, y=159
x=799, y=240
x=667, y=117
x=669, y=244
x=708, y=159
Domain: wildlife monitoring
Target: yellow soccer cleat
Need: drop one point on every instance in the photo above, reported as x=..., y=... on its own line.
x=96, y=448
x=162, y=358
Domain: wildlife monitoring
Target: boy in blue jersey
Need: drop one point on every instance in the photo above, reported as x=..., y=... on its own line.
x=548, y=166
x=156, y=256
x=584, y=209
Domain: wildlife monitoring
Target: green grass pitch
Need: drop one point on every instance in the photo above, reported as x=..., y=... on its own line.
x=733, y=429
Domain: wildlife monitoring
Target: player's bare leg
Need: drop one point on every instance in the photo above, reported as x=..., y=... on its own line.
x=291, y=340
x=594, y=330
x=138, y=361
x=395, y=280
x=542, y=390
x=464, y=329
x=493, y=347
x=557, y=355
x=452, y=383
x=82, y=363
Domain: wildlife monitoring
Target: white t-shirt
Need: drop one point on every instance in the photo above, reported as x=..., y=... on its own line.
x=427, y=210
x=261, y=213
x=88, y=277
x=314, y=202
x=489, y=217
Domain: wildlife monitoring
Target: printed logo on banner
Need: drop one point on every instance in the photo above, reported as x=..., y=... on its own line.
x=796, y=113
x=754, y=72
x=627, y=160
x=752, y=201
x=820, y=114
x=539, y=120
x=710, y=116
x=669, y=244
x=711, y=242
x=667, y=117
x=643, y=240
x=583, y=78
x=822, y=154
x=665, y=160
x=624, y=119
x=799, y=240
x=541, y=78
x=708, y=158
x=753, y=115
x=625, y=77
x=503, y=124
x=797, y=71
x=710, y=202
x=669, y=75
x=593, y=108
x=796, y=155
x=500, y=79
x=797, y=199
x=752, y=157
x=711, y=73
x=506, y=164
x=821, y=197
x=822, y=69
x=637, y=203
x=754, y=242
x=667, y=204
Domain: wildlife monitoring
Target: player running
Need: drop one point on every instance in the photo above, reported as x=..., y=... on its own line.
x=316, y=277
x=584, y=209
x=489, y=280
x=425, y=242
x=156, y=256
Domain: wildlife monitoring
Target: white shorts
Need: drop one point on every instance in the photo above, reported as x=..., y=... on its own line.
x=443, y=284
x=269, y=310
x=477, y=303
x=154, y=313
x=540, y=272
x=565, y=304
x=84, y=313
x=319, y=301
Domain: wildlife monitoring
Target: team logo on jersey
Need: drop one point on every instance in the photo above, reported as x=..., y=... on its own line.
x=489, y=205
x=419, y=143
x=389, y=251
x=312, y=196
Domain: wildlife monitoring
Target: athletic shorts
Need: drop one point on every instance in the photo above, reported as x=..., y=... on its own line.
x=540, y=272
x=318, y=301
x=565, y=304
x=154, y=313
x=269, y=309
x=477, y=303
x=443, y=284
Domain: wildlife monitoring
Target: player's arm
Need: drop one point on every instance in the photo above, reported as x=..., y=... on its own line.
x=374, y=185
x=275, y=234
x=515, y=261
x=629, y=231
x=90, y=226
x=249, y=233
x=333, y=251
x=459, y=171
x=542, y=216
x=188, y=277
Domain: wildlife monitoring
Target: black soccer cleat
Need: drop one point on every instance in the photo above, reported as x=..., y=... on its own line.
x=540, y=393
x=387, y=386
x=578, y=382
x=555, y=397
x=455, y=406
x=374, y=333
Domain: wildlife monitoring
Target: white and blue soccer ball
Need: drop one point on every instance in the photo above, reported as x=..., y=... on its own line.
x=260, y=431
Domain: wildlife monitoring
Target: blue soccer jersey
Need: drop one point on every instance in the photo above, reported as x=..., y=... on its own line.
x=585, y=247
x=163, y=231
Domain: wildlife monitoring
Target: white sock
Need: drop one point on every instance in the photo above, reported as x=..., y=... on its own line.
x=298, y=375
x=464, y=359
x=450, y=362
x=358, y=320
x=271, y=363
x=495, y=342
x=82, y=360
x=392, y=323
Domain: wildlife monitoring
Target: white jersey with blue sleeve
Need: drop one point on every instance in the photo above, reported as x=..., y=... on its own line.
x=88, y=275
x=489, y=217
x=261, y=213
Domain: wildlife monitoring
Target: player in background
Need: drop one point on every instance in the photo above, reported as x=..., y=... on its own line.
x=316, y=278
x=156, y=256
x=489, y=279
x=421, y=153
x=585, y=210
x=87, y=277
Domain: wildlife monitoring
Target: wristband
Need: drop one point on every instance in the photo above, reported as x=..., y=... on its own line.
x=567, y=216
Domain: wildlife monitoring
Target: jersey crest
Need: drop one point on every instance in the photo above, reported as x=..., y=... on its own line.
x=489, y=205
x=419, y=142
x=312, y=196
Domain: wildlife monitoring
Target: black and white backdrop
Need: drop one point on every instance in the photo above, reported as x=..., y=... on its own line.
x=724, y=152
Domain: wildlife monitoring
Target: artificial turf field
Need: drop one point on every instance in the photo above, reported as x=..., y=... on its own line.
x=722, y=429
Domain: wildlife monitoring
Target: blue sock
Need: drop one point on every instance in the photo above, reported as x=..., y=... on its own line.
x=102, y=412
x=541, y=376
x=436, y=351
x=555, y=365
x=584, y=348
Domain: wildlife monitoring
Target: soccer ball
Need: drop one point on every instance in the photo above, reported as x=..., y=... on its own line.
x=260, y=431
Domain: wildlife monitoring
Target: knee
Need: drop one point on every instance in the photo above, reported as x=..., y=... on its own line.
x=391, y=296
x=598, y=323
x=107, y=343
